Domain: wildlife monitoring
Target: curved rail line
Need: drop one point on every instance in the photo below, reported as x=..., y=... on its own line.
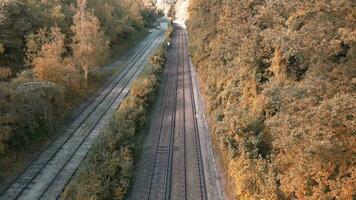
x=102, y=97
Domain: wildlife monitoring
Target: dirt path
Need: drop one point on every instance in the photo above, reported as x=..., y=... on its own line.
x=46, y=176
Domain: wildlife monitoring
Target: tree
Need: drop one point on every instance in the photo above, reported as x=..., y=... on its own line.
x=16, y=20
x=48, y=65
x=282, y=104
x=34, y=42
x=5, y=72
x=89, y=43
x=2, y=48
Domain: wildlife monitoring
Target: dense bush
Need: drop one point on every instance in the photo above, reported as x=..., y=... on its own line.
x=28, y=114
x=282, y=106
x=38, y=107
x=107, y=171
x=29, y=111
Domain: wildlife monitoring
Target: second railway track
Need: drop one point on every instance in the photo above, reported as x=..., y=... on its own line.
x=171, y=164
x=46, y=177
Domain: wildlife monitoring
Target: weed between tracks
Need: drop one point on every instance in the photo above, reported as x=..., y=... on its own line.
x=107, y=171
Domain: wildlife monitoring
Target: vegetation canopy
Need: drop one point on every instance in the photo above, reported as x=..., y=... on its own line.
x=283, y=104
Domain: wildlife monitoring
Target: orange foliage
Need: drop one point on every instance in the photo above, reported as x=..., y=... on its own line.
x=5, y=73
x=89, y=43
x=283, y=104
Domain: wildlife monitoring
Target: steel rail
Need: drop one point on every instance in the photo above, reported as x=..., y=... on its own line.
x=97, y=122
x=132, y=61
x=203, y=192
x=170, y=84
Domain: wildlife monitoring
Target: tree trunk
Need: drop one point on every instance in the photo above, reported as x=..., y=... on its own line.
x=86, y=74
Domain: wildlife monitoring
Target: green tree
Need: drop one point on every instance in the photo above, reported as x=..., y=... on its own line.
x=16, y=20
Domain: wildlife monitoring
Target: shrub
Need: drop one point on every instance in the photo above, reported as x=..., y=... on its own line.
x=28, y=113
x=38, y=108
x=7, y=118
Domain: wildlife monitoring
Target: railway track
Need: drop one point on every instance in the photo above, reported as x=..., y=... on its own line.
x=160, y=179
x=46, y=177
x=173, y=165
x=178, y=185
x=200, y=168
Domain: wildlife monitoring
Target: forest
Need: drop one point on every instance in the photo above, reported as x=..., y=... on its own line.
x=49, y=51
x=279, y=82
